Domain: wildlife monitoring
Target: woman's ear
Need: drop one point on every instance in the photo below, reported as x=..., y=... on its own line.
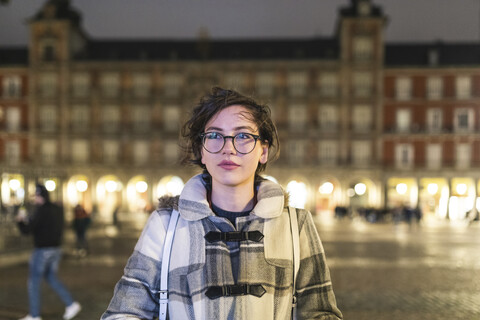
x=264, y=157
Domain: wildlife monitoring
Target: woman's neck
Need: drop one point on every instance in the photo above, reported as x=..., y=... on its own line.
x=234, y=199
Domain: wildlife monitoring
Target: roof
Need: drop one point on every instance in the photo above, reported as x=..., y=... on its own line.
x=13, y=56
x=432, y=54
x=257, y=49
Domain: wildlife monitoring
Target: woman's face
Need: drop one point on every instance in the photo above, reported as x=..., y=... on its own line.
x=228, y=167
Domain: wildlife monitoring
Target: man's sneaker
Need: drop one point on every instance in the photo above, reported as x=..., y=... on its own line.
x=72, y=310
x=29, y=317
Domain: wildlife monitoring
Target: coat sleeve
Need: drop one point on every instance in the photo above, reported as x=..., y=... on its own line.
x=136, y=294
x=315, y=296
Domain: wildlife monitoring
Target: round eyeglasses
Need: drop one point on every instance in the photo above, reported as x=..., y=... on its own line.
x=243, y=142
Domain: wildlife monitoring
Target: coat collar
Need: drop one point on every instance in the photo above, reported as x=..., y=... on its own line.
x=193, y=204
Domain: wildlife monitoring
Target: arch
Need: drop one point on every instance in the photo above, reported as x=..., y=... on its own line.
x=13, y=189
x=79, y=191
x=328, y=195
x=109, y=198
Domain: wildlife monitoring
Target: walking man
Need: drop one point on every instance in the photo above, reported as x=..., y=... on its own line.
x=46, y=225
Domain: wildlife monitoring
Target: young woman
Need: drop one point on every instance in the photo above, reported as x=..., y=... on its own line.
x=232, y=252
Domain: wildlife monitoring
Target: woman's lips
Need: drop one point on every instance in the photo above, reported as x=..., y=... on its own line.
x=228, y=165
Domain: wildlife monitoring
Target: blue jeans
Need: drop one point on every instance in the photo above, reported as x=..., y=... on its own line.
x=44, y=263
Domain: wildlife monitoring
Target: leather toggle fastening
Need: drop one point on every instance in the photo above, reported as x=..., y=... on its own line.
x=214, y=236
x=216, y=292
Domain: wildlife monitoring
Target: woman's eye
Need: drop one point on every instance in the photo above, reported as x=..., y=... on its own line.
x=243, y=135
x=213, y=135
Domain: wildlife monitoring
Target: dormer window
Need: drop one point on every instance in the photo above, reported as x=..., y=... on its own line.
x=48, y=53
x=364, y=8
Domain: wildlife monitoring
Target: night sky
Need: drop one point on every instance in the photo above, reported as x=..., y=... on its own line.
x=408, y=20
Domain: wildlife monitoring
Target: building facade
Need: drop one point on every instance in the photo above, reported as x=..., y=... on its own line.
x=362, y=123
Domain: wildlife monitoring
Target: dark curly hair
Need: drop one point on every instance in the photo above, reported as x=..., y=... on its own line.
x=213, y=103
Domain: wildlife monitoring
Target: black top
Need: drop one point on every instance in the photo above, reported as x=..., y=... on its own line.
x=46, y=225
x=229, y=214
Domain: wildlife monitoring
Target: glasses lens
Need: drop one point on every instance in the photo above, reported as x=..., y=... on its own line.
x=244, y=142
x=213, y=142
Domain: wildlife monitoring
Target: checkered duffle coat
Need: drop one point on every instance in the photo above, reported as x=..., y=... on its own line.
x=196, y=264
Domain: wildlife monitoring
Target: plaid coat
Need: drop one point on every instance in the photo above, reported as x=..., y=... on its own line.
x=197, y=264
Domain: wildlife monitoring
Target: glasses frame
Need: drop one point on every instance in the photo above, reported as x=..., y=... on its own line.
x=203, y=135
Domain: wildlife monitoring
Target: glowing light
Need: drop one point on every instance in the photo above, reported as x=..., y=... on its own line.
x=50, y=185
x=14, y=184
x=360, y=189
x=326, y=188
x=432, y=188
x=141, y=186
x=401, y=188
x=461, y=188
x=81, y=185
x=175, y=186
x=111, y=186
x=298, y=193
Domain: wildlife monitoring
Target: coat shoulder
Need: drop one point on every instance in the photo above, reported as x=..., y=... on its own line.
x=168, y=202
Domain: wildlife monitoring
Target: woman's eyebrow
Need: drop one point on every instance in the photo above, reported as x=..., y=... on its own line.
x=234, y=129
x=213, y=129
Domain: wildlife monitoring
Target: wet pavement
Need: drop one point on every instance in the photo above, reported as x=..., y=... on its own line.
x=379, y=271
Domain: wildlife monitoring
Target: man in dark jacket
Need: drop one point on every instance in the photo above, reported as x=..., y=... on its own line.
x=46, y=225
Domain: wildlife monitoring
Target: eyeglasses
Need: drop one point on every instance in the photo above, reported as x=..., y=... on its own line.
x=243, y=142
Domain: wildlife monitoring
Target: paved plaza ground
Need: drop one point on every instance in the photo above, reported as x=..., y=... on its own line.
x=379, y=271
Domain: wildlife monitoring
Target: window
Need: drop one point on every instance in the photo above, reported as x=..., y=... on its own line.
x=171, y=152
x=328, y=152
x=296, y=152
x=110, y=85
x=111, y=119
x=80, y=152
x=110, y=151
x=463, y=121
x=434, y=88
x=171, y=118
x=49, y=151
x=12, y=87
x=404, y=156
x=463, y=86
x=141, y=118
x=141, y=152
x=48, y=118
x=362, y=48
x=12, y=152
x=362, y=118
x=435, y=119
x=265, y=83
x=361, y=153
x=297, y=83
x=463, y=155
x=403, y=120
x=13, y=119
x=80, y=118
x=403, y=88
x=48, y=51
x=328, y=84
x=142, y=85
x=172, y=84
x=434, y=156
x=297, y=117
x=48, y=85
x=364, y=8
x=80, y=85
x=235, y=81
x=362, y=84
x=328, y=118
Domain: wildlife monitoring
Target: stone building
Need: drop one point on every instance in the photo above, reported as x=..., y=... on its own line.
x=362, y=122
